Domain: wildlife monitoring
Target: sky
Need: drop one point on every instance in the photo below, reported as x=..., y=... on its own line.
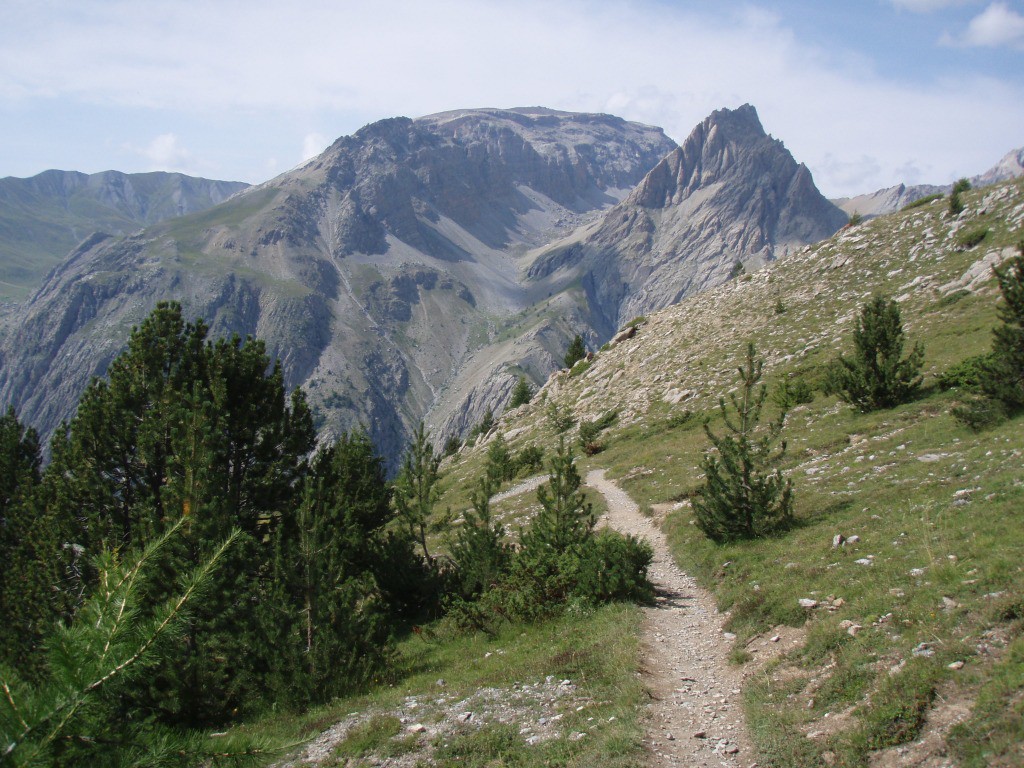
x=866, y=93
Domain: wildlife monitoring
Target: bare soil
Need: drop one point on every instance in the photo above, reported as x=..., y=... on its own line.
x=695, y=717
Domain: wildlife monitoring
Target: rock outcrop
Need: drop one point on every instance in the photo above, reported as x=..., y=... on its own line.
x=382, y=272
x=730, y=194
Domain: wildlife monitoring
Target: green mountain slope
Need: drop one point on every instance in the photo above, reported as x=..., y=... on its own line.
x=43, y=217
x=914, y=646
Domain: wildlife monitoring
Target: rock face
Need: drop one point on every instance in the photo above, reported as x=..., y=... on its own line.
x=382, y=273
x=729, y=194
x=887, y=200
x=1010, y=167
x=45, y=216
x=417, y=268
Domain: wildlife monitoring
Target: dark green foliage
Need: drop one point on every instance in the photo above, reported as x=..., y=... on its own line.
x=480, y=552
x=452, y=445
x=1005, y=378
x=521, y=394
x=330, y=621
x=780, y=307
x=581, y=367
x=71, y=717
x=855, y=219
x=877, y=375
x=416, y=489
x=577, y=351
x=737, y=270
x=967, y=375
x=560, y=560
x=956, y=205
x=591, y=430
x=530, y=459
x=188, y=429
x=499, y=465
x=971, y=236
x=791, y=392
x=30, y=549
x=741, y=497
x=638, y=320
x=920, y=202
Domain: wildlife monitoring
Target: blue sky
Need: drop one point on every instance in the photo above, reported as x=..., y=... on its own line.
x=867, y=93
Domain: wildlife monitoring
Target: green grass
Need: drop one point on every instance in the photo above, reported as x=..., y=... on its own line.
x=939, y=509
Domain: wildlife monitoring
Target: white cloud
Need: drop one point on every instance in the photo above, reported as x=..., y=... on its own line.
x=323, y=63
x=996, y=26
x=166, y=153
x=312, y=145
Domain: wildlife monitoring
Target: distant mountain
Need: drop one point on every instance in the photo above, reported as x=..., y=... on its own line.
x=43, y=217
x=416, y=268
x=374, y=271
x=1011, y=166
x=895, y=198
x=729, y=194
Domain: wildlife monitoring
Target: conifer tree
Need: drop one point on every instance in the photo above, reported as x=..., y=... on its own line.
x=877, y=375
x=499, y=465
x=577, y=351
x=416, y=489
x=327, y=558
x=521, y=394
x=742, y=497
x=1004, y=374
x=480, y=552
x=71, y=717
x=566, y=520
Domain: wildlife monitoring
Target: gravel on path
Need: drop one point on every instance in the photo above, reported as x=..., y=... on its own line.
x=695, y=717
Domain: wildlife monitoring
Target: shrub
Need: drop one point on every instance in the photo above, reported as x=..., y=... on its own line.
x=529, y=459
x=877, y=376
x=969, y=237
x=741, y=498
x=1005, y=377
x=590, y=430
x=968, y=375
x=499, y=465
x=521, y=394
x=560, y=417
x=855, y=219
x=580, y=367
x=792, y=392
x=577, y=351
x=923, y=201
x=956, y=205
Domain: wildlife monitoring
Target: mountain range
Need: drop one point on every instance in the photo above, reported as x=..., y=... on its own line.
x=43, y=217
x=414, y=270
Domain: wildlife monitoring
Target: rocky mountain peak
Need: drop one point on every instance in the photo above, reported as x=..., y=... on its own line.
x=725, y=147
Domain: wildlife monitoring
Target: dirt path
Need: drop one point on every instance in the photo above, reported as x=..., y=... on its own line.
x=695, y=717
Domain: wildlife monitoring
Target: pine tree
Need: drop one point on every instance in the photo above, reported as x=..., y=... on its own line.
x=72, y=717
x=877, y=375
x=521, y=394
x=480, y=552
x=416, y=489
x=333, y=626
x=741, y=497
x=187, y=429
x=566, y=520
x=577, y=351
x=499, y=465
x=1004, y=374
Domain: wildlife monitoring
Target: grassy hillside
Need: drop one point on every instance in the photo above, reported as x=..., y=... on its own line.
x=915, y=646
